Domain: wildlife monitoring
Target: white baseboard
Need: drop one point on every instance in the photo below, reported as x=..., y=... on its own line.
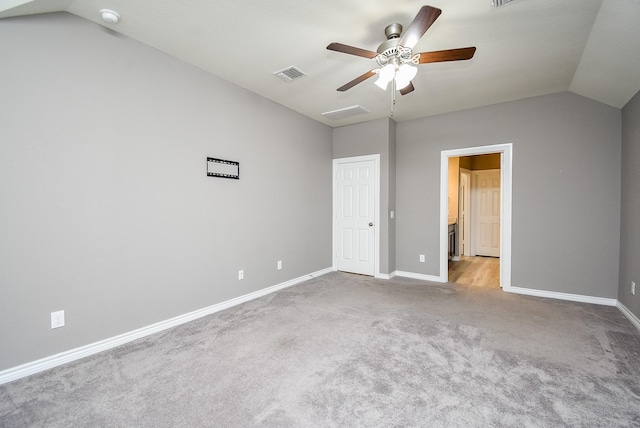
x=421, y=276
x=563, y=296
x=627, y=313
x=52, y=361
x=546, y=294
x=386, y=275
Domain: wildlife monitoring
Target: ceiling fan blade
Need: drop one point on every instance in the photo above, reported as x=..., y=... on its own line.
x=407, y=89
x=357, y=80
x=420, y=24
x=447, y=55
x=339, y=47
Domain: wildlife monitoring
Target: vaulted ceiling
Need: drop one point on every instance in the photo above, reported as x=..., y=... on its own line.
x=524, y=48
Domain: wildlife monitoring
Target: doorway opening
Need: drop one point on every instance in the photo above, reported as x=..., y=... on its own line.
x=485, y=253
x=474, y=220
x=480, y=271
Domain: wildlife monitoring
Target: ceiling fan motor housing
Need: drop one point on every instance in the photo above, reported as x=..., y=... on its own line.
x=389, y=51
x=393, y=31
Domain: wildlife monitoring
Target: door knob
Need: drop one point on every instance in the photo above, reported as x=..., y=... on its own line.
x=370, y=224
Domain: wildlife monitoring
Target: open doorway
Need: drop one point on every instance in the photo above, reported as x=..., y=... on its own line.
x=479, y=271
x=482, y=245
x=474, y=220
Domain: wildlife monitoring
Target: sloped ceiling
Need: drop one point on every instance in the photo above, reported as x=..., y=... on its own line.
x=524, y=49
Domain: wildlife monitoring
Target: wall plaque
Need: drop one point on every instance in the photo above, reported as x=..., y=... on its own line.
x=223, y=168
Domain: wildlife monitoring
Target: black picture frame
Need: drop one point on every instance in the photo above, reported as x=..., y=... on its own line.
x=223, y=168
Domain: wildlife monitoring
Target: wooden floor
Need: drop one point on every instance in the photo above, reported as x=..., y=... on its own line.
x=480, y=271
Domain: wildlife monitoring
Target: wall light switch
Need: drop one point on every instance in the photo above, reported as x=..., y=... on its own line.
x=633, y=288
x=57, y=319
x=279, y=264
x=422, y=258
x=241, y=274
x=392, y=214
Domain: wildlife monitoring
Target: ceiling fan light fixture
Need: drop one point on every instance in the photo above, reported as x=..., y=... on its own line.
x=395, y=56
x=385, y=75
x=402, y=83
x=381, y=83
x=404, y=75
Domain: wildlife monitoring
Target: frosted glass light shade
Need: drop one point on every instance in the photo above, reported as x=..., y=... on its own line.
x=385, y=75
x=404, y=75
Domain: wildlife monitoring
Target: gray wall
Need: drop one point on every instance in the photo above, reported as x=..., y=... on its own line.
x=105, y=208
x=630, y=220
x=566, y=189
x=375, y=137
x=392, y=195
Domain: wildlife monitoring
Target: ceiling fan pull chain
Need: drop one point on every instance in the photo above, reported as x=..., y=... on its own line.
x=393, y=95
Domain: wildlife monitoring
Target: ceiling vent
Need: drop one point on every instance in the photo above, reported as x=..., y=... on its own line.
x=344, y=113
x=500, y=3
x=290, y=73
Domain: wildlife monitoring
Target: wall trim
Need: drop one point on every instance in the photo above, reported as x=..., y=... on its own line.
x=506, y=179
x=24, y=370
x=432, y=278
x=630, y=315
x=385, y=275
x=563, y=296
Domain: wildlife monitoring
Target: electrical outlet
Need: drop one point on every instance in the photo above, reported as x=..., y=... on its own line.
x=279, y=264
x=57, y=319
x=241, y=274
x=633, y=288
x=422, y=258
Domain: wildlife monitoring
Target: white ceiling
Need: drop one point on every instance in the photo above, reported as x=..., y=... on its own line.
x=524, y=49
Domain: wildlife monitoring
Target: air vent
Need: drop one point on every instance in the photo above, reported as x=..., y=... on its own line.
x=344, y=113
x=500, y=3
x=290, y=73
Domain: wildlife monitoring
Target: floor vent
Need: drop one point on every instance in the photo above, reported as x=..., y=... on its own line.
x=344, y=113
x=500, y=3
x=290, y=73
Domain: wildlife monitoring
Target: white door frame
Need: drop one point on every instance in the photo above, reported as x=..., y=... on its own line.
x=376, y=222
x=466, y=224
x=506, y=159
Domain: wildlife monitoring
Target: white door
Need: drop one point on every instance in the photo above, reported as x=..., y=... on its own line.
x=464, y=220
x=354, y=226
x=487, y=209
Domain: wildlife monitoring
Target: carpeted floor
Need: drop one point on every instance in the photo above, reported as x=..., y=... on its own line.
x=346, y=351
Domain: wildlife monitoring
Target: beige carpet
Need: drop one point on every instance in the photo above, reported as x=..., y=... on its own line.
x=346, y=351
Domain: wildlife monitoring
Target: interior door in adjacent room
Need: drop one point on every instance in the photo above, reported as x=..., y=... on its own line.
x=486, y=189
x=355, y=216
x=464, y=213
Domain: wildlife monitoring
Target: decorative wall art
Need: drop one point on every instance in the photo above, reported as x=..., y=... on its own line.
x=223, y=168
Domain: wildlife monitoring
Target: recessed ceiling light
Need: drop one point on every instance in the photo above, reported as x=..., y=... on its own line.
x=109, y=16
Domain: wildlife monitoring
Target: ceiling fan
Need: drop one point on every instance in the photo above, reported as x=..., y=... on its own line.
x=395, y=56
